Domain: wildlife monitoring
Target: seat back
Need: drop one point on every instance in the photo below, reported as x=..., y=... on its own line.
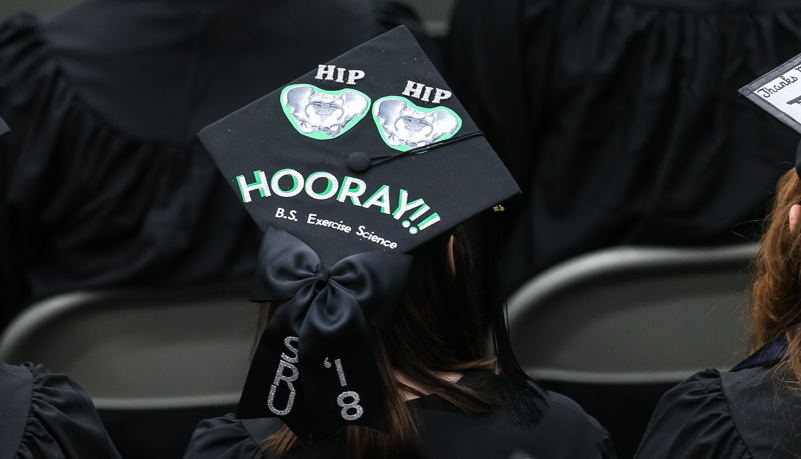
x=634, y=314
x=155, y=348
x=155, y=362
x=615, y=329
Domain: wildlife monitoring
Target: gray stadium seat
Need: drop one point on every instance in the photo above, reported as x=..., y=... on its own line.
x=615, y=328
x=142, y=348
x=173, y=354
x=631, y=314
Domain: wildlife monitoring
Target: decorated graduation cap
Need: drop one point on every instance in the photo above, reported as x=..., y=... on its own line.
x=348, y=170
x=779, y=93
x=4, y=127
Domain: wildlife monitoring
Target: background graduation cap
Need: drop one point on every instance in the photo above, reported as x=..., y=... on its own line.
x=3, y=127
x=779, y=93
x=363, y=159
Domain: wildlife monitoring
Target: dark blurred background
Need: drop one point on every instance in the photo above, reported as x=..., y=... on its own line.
x=434, y=12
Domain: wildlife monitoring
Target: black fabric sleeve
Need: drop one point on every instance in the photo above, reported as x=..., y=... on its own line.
x=62, y=421
x=222, y=438
x=692, y=420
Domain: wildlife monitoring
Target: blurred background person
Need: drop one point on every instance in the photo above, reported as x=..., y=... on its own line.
x=447, y=400
x=753, y=410
x=621, y=119
x=622, y=123
x=46, y=414
x=103, y=182
x=402, y=318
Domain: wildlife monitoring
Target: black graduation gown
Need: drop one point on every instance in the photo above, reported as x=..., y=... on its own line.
x=565, y=431
x=621, y=120
x=46, y=415
x=102, y=179
x=742, y=414
x=748, y=412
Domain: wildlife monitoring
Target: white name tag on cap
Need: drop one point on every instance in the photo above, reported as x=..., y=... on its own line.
x=779, y=92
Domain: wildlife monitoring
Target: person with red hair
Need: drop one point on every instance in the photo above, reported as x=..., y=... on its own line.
x=754, y=410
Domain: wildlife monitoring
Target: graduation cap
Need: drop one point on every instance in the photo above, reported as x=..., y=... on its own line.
x=779, y=93
x=347, y=169
x=4, y=127
x=370, y=151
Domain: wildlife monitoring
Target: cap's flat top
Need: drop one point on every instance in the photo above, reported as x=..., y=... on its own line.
x=287, y=154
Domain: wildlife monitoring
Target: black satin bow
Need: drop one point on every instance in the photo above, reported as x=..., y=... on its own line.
x=314, y=365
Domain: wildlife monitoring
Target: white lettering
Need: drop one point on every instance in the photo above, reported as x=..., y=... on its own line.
x=323, y=185
x=347, y=191
x=260, y=184
x=427, y=93
x=352, y=405
x=380, y=198
x=354, y=75
x=441, y=95
x=423, y=92
x=297, y=186
x=288, y=343
x=404, y=206
x=413, y=89
x=288, y=379
x=285, y=363
x=433, y=218
x=331, y=189
x=325, y=72
x=340, y=226
x=376, y=239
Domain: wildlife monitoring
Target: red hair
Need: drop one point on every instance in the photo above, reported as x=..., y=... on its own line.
x=775, y=303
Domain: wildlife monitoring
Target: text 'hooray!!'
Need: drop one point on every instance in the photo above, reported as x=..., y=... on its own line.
x=321, y=185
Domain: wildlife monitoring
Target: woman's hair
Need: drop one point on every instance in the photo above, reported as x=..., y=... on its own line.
x=438, y=329
x=775, y=304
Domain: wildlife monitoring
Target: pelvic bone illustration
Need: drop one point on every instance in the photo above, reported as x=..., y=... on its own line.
x=318, y=111
x=406, y=125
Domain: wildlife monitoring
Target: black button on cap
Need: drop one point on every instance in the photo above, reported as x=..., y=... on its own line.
x=358, y=161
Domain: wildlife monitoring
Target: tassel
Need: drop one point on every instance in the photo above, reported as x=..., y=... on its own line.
x=521, y=390
x=522, y=393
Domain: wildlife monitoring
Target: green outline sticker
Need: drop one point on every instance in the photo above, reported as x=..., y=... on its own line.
x=319, y=135
x=414, y=106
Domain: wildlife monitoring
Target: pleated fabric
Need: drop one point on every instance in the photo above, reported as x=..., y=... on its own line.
x=743, y=414
x=47, y=415
x=86, y=205
x=102, y=179
x=621, y=119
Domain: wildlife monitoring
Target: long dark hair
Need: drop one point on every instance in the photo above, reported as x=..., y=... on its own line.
x=775, y=305
x=438, y=329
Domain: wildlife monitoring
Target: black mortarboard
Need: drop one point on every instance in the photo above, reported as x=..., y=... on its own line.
x=779, y=93
x=338, y=157
x=363, y=159
x=3, y=127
